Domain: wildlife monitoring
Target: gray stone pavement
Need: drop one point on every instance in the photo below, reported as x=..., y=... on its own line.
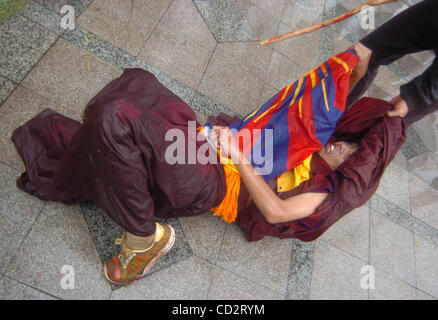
x=206, y=52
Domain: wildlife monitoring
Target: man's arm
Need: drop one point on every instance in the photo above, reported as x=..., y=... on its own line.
x=422, y=92
x=418, y=95
x=359, y=71
x=400, y=108
x=274, y=209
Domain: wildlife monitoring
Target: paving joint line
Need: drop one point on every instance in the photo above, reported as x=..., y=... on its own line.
x=32, y=287
x=240, y=276
x=6, y=268
x=404, y=214
x=155, y=27
x=203, y=18
x=206, y=67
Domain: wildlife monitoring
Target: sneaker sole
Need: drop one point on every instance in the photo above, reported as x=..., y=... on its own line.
x=161, y=253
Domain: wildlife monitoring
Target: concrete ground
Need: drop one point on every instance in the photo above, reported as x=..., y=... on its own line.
x=206, y=52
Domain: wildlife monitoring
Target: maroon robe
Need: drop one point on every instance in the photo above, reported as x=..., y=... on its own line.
x=117, y=156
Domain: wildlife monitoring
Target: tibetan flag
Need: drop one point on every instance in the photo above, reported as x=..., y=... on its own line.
x=299, y=120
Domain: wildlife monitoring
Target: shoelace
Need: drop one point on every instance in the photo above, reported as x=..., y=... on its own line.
x=127, y=254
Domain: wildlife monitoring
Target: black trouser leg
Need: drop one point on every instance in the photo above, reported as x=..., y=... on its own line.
x=413, y=30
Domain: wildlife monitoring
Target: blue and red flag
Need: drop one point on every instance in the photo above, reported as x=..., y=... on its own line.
x=302, y=116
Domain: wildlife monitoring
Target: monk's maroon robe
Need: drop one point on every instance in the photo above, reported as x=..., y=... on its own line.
x=117, y=159
x=351, y=185
x=117, y=156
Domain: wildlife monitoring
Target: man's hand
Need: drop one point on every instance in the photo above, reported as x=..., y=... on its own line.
x=364, y=59
x=224, y=139
x=400, y=108
x=229, y=145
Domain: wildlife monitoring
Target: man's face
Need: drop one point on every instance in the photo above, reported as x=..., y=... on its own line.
x=337, y=153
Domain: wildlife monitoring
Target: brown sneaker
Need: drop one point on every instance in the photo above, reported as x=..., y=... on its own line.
x=132, y=265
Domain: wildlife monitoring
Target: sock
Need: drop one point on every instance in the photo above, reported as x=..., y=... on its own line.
x=134, y=242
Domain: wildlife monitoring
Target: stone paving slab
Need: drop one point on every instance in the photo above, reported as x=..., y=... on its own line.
x=336, y=274
x=13, y=290
x=349, y=29
x=297, y=49
x=226, y=83
x=426, y=259
x=394, y=186
x=42, y=15
x=224, y=20
x=314, y=7
x=70, y=77
x=265, y=262
x=377, y=92
x=6, y=88
x=263, y=25
x=226, y=285
x=300, y=270
x=23, y=44
x=209, y=107
x=204, y=234
x=126, y=24
x=274, y=7
x=413, y=145
x=424, y=201
x=424, y=296
x=100, y=48
x=424, y=132
x=56, y=5
x=18, y=212
x=425, y=167
x=282, y=71
x=267, y=93
x=403, y=218
x=388, y=81
x=388, y=287
x=387, y=239
x=60, y=237
x=351, y=233
x=295, y=17
x=181, y=44
x=250, y=56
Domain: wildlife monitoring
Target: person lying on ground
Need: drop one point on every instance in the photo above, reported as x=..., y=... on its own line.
x=117, y=158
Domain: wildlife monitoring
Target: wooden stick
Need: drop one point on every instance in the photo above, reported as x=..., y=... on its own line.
x=325, y=23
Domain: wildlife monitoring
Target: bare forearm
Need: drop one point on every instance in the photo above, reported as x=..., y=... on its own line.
x=264, y=198
x=364, y=55
x=274, y=209
x=354, y=79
